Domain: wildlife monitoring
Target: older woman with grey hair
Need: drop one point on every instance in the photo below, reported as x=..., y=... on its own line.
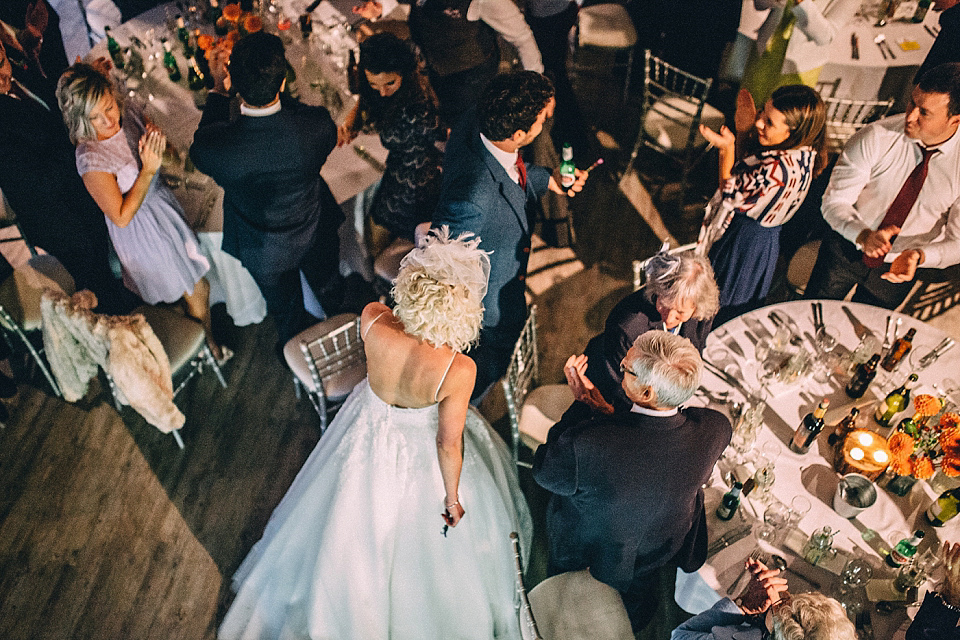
x=680, y=296
x=766, y=610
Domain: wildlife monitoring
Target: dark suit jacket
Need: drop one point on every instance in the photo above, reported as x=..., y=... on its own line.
x=275, y=201
x=632, y=317
x=479, y=196
x=627, y=491
x=946, y=48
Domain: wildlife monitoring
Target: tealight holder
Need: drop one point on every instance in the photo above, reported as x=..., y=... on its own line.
x=863, y=452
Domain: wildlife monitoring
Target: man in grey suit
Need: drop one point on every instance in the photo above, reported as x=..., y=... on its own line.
x=627, y=487
x=488, y=190
x=279, y=216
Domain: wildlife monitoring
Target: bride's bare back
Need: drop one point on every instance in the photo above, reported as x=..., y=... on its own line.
x=408, y=372
x=405, y=371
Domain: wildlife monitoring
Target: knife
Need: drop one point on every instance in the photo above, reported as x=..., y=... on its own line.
x=728, y=539
x=854, y=46
x=728, y=379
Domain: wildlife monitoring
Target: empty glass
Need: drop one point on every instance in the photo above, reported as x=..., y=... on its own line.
x=764, y=477
x=856, y=573
x=799, y=507
x=776, y=518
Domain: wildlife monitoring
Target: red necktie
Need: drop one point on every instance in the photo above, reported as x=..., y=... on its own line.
x=897, y=213
x=523, y=173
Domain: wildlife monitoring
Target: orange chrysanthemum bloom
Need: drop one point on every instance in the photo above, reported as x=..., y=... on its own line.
x=900, y=465
x=950, y=440
x=922, y=468
x=927, y=405
x=950, y=419
x=951, y=466
x=252, y=23
x=231, y=12
x=205, y=41
x=231, y=38
x=900, y=443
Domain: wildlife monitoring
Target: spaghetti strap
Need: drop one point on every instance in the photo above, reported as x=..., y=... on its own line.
x=436, y=396
x=364, y=336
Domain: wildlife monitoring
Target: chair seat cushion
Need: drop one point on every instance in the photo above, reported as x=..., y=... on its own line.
x=543, y=408
x=337, y=386
x=577, y=606
x=20, y=293
x=387, y=264
x=606, y=25
x=669, y=119
x=801, y=265
x=182, y=337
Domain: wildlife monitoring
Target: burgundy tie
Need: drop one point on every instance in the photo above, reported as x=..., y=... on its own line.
x=900, y=207
x=523, y=173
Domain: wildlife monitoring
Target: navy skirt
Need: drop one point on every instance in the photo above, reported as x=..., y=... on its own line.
x=744, y=259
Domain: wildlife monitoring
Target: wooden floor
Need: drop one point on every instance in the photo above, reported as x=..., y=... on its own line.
x=108, y=530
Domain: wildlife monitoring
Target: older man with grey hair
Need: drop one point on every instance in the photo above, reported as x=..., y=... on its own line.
x=627, y=487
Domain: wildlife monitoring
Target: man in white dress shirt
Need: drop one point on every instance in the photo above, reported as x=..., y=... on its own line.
x=869, y=245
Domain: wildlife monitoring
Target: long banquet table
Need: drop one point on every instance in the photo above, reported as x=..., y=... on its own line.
x=351, y=171
x=732, y=348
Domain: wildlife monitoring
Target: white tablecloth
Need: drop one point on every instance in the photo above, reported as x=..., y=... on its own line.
x=811, y=474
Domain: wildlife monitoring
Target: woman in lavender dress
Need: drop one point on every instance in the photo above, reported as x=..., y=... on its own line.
x=119, y=156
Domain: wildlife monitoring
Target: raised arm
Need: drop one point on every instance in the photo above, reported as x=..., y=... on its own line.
x=505, y=18
x=452, y=414
x=121, y=207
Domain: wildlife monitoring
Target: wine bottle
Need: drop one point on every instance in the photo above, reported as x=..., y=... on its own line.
x=353, y=74
x=114, y=49
x=169, y=62
x=195, y=77
x=844, y=427
x=895, y=402
x=921, y=13
x=808, y=430
x=729, y=502
x=905, y=550
x=862, y=377
x=568, y=170
x=944, y=508
x=183, y=35
x=898, y=351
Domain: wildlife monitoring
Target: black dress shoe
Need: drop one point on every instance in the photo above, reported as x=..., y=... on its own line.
x=8, y=388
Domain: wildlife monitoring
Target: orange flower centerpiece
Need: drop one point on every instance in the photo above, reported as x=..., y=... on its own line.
x=919, y=446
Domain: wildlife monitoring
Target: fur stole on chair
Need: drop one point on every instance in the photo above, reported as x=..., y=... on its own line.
x=78, y=342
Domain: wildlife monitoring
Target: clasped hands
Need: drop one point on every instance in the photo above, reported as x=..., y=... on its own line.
x=877, y=244
x=764, y=589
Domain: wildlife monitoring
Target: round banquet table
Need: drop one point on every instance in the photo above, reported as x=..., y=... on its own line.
x=731, y=348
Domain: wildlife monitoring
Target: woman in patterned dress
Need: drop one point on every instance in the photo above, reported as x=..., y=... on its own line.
x=782, y=154
x=397, y=102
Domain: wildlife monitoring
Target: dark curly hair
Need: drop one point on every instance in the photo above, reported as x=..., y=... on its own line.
x=386, y=53
x=257, y=68
x=512, y=102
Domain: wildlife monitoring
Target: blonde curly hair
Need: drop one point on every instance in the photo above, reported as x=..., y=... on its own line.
x=440, y=287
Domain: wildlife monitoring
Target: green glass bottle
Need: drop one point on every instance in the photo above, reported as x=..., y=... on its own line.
x=195, y=77
x=895, y=402
x=183, y=35
x=862, y=377
x=905, y=550
x=730, y=502
x=568, y=170
x=170, y=63
x=944, y=508
x=114, y=49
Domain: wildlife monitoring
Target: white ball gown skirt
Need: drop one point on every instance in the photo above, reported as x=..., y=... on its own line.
x=355, y=550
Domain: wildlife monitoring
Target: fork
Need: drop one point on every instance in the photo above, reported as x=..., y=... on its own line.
x=755, y=555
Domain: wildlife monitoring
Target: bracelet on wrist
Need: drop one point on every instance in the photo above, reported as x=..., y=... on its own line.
x=452, y=504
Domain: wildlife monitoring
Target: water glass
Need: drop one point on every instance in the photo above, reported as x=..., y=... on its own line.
x=868, y=346
x=910, y=575
x=776, y=518
x=764, y=477
x=856, y=573
x=799, y=507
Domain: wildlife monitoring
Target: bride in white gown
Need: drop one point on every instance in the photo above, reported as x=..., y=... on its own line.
x=398, y=524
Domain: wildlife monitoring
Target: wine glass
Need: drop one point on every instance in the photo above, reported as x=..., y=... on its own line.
x=764, y=478
x=776, y=518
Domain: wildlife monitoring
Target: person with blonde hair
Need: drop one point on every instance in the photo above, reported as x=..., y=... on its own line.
x=398, y=524
x=628, y=496
x=680, y=296
x=119, y=154
x=766, y=610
